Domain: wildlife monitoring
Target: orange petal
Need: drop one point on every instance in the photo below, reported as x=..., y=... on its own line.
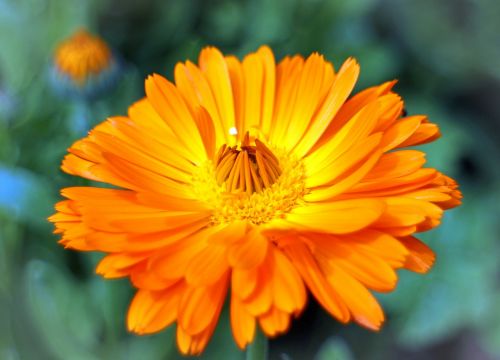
x=172, y=261
x=194, y=86
x=426, y=132
x=207, y=266
x=169, y=104
x=118, y=265
x=308, y=99
x=249, y=252
x=381, y=244
x=391, y=108
x=144, y=223
x=431, y=195
x=199, y=307
x=289, y=292
x=274, y=322
x=401, y=212
x=268, y=88
x=397, y=164
x=337, y=217
x=394, y=186
x=194, y=344
x=287, y=77
x=401, y=131
x=143, y=114
x=364, y=265
x=261, y=299
x=143, y=278
x=421, y=257
x=356, y=130
x=354, y=105
x=242, y=323
x=253, y=73
x=237, y=77
x=345, y=183
x=107, y=242
x=331, y=171
x=151, y=311
x=155, y=142
x=140, y=179
x=364, y=308
x=341, y=88
x=316, y=281
x=162, y=239
x=244, y=281
x=207, y=131
x=214, y=67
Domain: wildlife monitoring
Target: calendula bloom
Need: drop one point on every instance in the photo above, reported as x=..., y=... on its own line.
x=258, y=180
x=83, y=66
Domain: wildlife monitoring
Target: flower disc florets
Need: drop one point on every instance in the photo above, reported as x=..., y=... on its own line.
x=250, y=182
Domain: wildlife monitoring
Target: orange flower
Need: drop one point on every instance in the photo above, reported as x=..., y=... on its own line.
x=259, y=179
x=83, y=65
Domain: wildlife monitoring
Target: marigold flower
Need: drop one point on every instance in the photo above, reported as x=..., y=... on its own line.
x=260, y=180
x=83, y=66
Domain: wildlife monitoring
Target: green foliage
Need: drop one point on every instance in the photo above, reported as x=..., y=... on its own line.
x=334, y=349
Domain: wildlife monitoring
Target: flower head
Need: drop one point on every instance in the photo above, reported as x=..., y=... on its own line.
x=261, y=181
x=83, y=66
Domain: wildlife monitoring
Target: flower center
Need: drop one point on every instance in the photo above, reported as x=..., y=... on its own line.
x=248, y=168
x=250, y=182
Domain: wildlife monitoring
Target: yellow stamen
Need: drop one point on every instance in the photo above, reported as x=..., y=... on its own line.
x=232, y=162
x=249, y=182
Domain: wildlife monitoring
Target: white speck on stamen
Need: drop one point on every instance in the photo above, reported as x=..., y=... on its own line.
x=233, y=131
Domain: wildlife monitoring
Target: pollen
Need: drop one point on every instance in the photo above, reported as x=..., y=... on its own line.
x=250, y=182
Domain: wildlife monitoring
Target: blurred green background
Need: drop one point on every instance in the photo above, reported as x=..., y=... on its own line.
x=446, y=55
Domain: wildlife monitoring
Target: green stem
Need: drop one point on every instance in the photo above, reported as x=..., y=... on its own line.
x=258, y=349
x=81, y=118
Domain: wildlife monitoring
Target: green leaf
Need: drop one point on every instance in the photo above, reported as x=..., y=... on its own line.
x=334, y=349
x=258, y=349
x=62, y=313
